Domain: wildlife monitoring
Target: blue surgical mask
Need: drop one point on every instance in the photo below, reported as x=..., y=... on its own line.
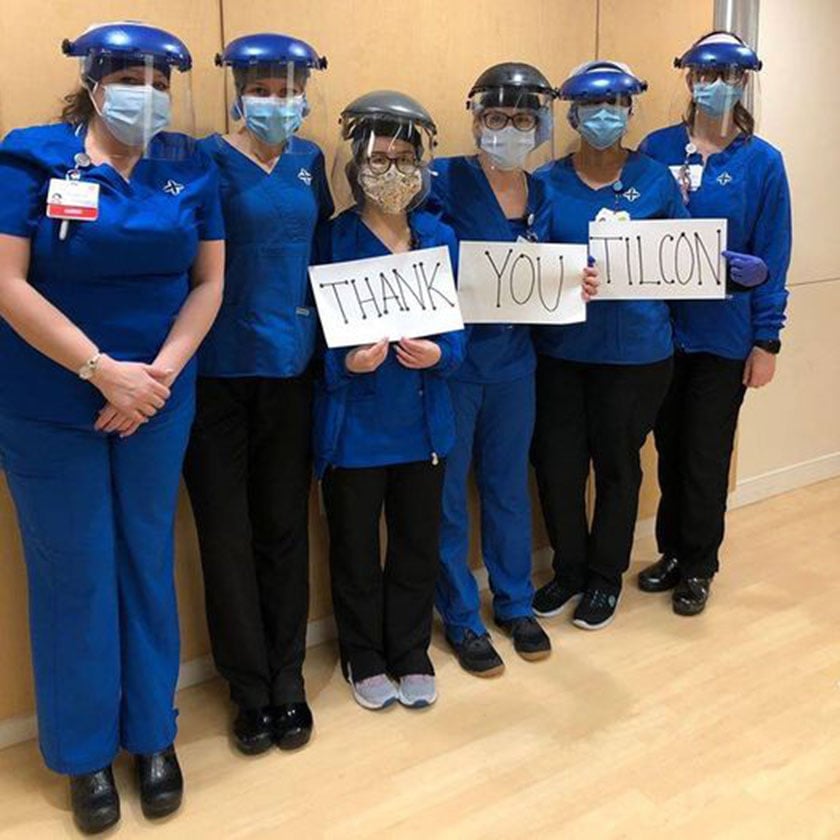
x=602, y=125
x=271, y=119
x=716, y=98
x=135, y=113
x=508, y=148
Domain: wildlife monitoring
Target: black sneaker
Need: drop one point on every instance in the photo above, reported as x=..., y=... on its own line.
x=553, y=598
x=529, y=639
x=477, y=655
x=596, y=609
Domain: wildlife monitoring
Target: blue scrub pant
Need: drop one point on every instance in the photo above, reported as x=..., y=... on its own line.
x=494, y=424
x=96, y=516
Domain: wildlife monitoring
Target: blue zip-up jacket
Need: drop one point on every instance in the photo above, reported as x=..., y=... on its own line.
x=393, y=415
x=463, y=196
x=746, y=184
x=615, y=332
x=267, y=325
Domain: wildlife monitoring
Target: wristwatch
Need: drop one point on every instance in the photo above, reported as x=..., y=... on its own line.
x=770, y=345
x=87, y=370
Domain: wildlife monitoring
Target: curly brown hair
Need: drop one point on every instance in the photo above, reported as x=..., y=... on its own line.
x=78, y=107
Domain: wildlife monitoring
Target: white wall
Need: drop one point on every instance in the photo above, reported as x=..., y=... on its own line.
x=790, y=431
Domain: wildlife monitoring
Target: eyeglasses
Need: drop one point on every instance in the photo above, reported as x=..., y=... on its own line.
x=622, y=100
x=730, y=75
x=380, y=163
x=498, y=120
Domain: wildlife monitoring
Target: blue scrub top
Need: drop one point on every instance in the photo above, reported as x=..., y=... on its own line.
x=121, y=279
x=745, y=184
x=463, y=196
x=394, y=415
x=615, y=332
x=267, y=325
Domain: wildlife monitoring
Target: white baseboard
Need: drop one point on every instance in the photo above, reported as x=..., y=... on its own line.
x=783, y=480
x=16, y=730
x=749, y=491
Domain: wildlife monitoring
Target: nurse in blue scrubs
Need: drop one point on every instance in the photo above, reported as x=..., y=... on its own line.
x=384, y=422
x=101, y=319
x=248, y=466
x=599, y=384
x=725, y=346
x=488, y=196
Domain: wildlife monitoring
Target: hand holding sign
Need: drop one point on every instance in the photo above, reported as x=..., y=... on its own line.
x=418, y=354
x=591, y=281
x=368, y=358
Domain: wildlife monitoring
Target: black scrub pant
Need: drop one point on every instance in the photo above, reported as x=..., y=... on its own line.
x=384, y=615
x=598, y=414
x=248, y=474
x=695, y=434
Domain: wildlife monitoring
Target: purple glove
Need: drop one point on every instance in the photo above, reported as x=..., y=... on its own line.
x=745, y=269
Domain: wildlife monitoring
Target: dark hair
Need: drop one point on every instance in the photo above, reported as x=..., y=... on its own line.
x=78, y=107
x=741, y=116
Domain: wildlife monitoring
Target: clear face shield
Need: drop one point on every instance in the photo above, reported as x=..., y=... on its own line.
x=144, y=103
x=513, y=127
x=383, y=160
x=276, y=102
x=724, y=97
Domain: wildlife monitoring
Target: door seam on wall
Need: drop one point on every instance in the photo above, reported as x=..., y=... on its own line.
x=221, y=50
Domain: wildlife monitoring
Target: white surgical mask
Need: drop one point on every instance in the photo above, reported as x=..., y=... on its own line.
x=508, y=148
x=134, y=114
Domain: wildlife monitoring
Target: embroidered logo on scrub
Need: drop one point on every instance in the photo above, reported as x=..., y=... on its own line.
x=172, y=187
x=305, y=175
x=632, y=194
x=724, y=178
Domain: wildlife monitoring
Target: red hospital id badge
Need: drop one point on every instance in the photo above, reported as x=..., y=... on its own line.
x=76, y=200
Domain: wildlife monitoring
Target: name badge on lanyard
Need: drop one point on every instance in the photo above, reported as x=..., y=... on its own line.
x=73, y=200
x=694, y=172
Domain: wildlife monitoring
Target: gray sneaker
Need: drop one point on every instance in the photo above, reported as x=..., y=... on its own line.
x=376, y=692
x=417, y=691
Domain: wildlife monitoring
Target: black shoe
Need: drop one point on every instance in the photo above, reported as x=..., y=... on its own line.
x=660, y=576
x=553, y=598
x=252, y=731
x=291, y=725
x=690, y=595
x=596, y=609
x=477, y=655
x=161, y=783
x=95, y=801
x=529, y=639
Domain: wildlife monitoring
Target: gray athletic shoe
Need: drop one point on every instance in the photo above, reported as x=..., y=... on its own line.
x=417, y=691
x=376, y=692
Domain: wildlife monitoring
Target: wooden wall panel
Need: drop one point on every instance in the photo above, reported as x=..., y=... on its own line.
x=647, y=34
x=34, y=75
x=432, y=50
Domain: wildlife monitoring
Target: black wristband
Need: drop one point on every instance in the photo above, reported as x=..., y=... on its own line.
x=768, y=345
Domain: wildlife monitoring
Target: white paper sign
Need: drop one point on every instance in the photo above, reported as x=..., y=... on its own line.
x=399, y=296
x=521, y=283
x=660, y=258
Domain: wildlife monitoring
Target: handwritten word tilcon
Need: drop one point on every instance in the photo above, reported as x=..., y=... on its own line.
x=660, y=258
x=399, y=296
x=521, y=283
